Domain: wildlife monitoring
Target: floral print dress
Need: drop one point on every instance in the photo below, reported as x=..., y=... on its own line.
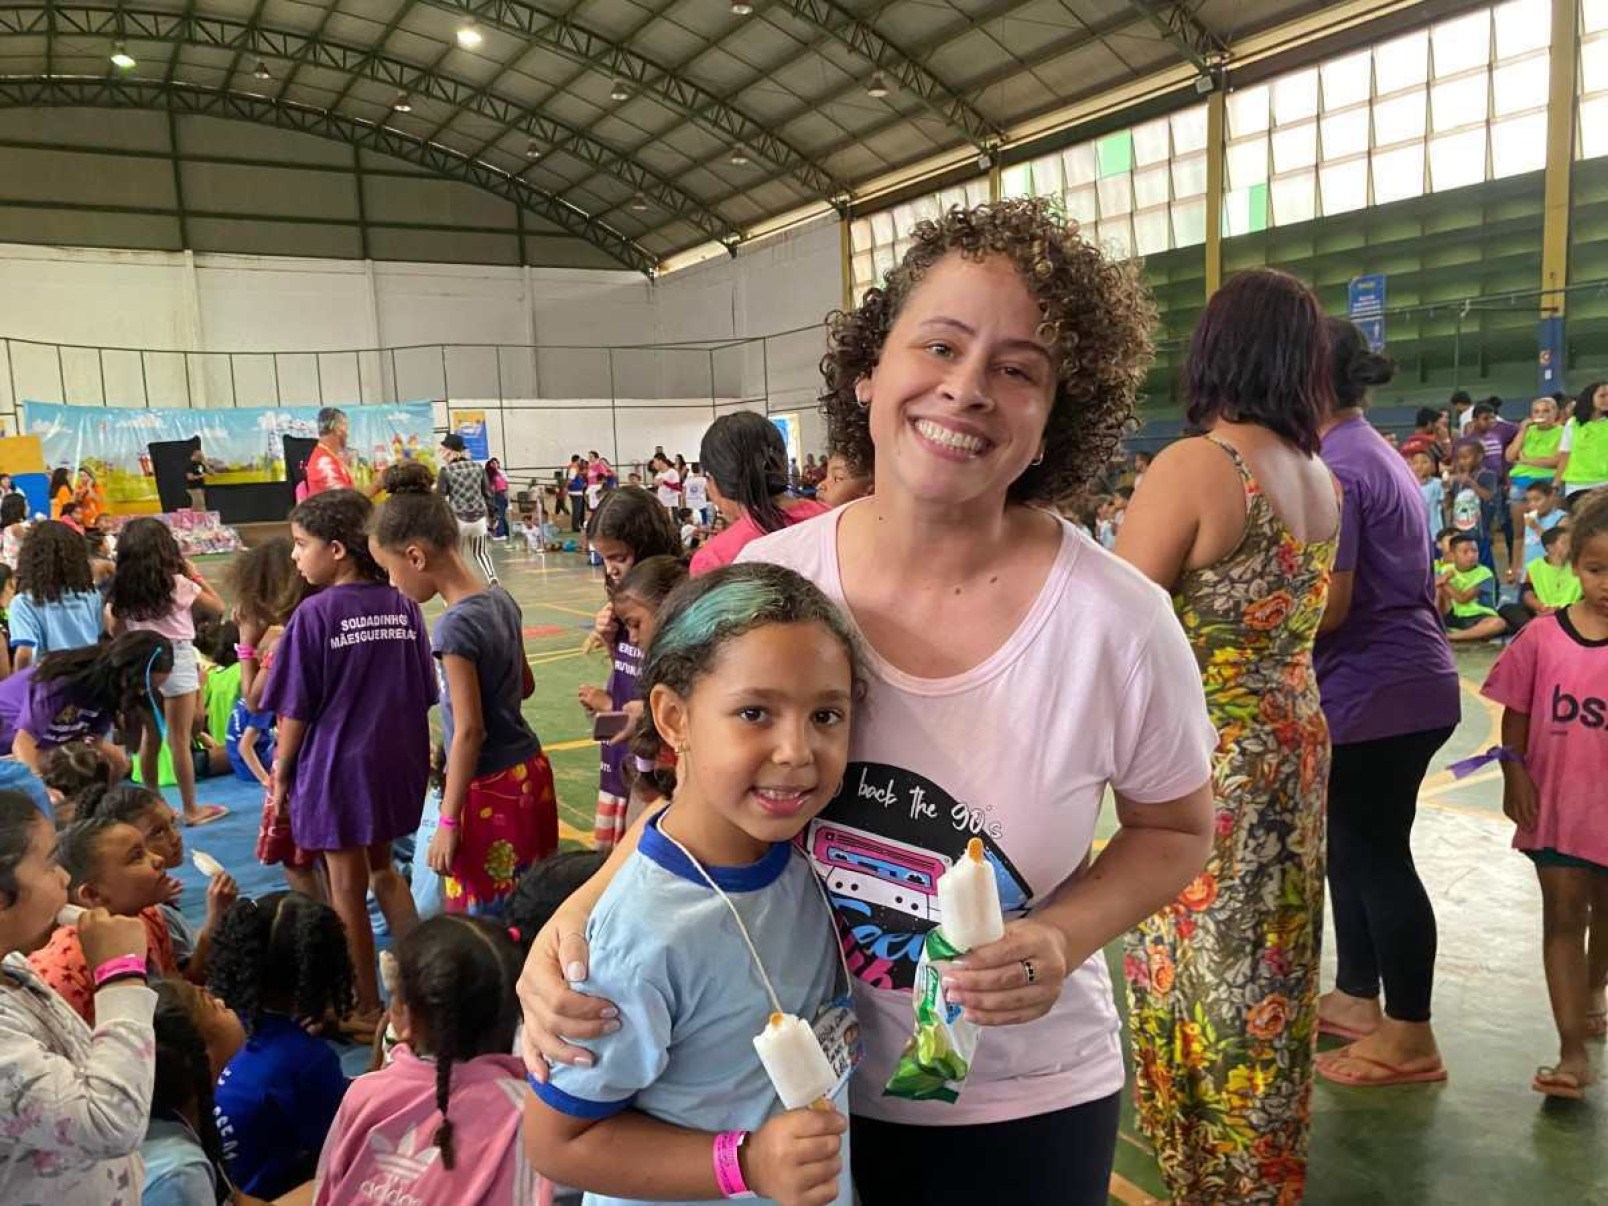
x=1223, y=984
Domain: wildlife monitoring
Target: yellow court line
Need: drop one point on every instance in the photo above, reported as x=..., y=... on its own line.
x=562, y=746
x=574, y=611
x=568, y=833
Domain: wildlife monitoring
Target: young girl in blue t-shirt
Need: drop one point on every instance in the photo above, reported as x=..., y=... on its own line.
x=498, y=813
x=715, y=922
x=280, y=962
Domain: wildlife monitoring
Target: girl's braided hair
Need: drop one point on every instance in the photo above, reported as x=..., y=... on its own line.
x=283, y=949
x=457, y=981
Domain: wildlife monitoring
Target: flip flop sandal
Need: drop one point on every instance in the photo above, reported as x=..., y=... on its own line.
x=1329, y=1070
x=212, y=812
x=1341, y=1030
x=1549, y=1082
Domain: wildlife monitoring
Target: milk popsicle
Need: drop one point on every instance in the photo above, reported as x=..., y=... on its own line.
x=794, y=1061
x=968, y=899
x=69, y=915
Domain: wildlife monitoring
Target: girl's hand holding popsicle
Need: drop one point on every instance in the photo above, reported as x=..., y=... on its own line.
x=795, y=1158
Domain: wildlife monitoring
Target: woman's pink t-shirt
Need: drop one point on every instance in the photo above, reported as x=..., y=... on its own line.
x=723, y=548
x=382, y=1145
x=1559, y=679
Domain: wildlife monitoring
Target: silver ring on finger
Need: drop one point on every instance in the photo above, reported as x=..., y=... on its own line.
x=1030, y=971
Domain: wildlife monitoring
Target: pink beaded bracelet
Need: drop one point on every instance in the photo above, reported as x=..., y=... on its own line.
x=728, y=1169
x=116, y=969
x=447, y=822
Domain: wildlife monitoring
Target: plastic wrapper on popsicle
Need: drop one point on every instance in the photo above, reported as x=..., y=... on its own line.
x=795, y=1063
x=938, y=1058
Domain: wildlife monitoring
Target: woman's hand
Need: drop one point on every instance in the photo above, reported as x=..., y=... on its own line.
x=553, y=1012
x=992, y=985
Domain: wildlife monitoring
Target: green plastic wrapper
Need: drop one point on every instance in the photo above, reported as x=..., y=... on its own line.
x=936, y=1061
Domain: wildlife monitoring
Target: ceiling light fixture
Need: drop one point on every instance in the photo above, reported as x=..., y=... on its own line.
x=261, y=71
x=639, y=202
x=877, y=88
x=741, y=8
x=619, y=91
x=403, y=103
x=469, y=35
x=532, y=150
x=739, y=157
x=121, y=57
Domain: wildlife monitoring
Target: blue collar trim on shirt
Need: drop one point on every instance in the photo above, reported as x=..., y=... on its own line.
x=661, y=850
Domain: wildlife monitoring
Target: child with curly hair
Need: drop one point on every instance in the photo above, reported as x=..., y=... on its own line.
x=499, y=813
x=76, y=1098
x=57, y=606
x=279, y=961
x=453, y=1082
x=156, y=590
x=352, y=687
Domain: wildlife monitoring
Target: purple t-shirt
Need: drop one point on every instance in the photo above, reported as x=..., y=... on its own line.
x=1495, y=443
x=623, y=687
x=355, y=665
x=47, y=712
x=1388, y=669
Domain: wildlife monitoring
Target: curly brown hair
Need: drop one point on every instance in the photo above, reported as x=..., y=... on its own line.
x=1097, y=310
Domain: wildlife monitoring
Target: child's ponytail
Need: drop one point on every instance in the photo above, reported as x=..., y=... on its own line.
x=284, y=947
x=415, y=513
x=115, y=674
x=457, y=977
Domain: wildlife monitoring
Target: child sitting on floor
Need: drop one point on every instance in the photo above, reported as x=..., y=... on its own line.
x=156, y=821
x=108, y=867
x=196, y=1035
x=76, y=1100
x=1549, y=584
x=67, y=770
x=280, y=962
x=1470, y=587
x=448, y=1104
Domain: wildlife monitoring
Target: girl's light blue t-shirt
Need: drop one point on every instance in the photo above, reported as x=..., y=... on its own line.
x=666, y=950
x=70, y=622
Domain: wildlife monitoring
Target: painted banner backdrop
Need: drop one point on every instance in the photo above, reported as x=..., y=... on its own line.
x=241, y=445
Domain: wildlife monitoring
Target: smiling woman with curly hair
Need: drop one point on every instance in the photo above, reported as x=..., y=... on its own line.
x=1016, y=671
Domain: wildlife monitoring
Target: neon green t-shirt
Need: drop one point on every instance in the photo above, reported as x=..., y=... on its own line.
x=1468, y=580
x=1538, y=441
x=1588, y=453
x=1554, y=585
x=219, y=691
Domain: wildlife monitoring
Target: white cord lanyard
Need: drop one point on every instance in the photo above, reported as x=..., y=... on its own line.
x=770, y=991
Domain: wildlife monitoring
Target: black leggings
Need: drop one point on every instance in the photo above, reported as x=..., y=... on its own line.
x=1057, y=1159
x=1384, y=924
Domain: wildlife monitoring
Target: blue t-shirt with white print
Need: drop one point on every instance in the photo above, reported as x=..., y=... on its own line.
x=666, y=950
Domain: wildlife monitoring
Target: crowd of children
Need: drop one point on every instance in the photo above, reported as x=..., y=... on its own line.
x=151, y=1061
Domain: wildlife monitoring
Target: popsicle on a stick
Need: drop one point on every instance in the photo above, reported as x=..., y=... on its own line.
x=794, y=1061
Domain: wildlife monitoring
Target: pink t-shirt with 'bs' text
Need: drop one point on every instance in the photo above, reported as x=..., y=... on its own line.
x=1559, y=679
x=1097, y=687
x=382, y=1145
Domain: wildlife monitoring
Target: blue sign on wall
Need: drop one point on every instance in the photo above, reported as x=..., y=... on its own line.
x=1365, y=304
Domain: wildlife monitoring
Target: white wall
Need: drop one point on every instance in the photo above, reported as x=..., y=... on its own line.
x=354, y=331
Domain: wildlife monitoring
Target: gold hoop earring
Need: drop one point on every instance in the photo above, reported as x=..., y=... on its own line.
x=1038, y=460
